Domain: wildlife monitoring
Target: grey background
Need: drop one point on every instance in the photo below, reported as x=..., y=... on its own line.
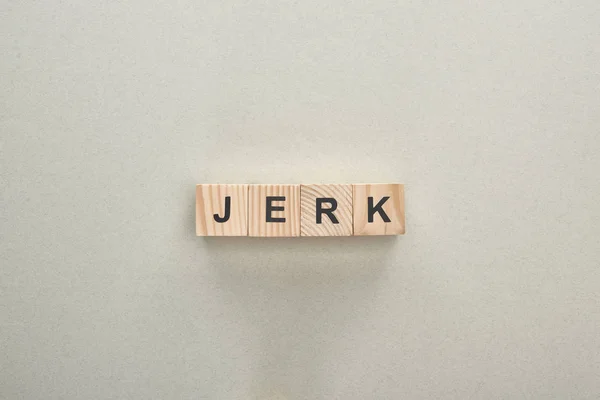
x=489, y=112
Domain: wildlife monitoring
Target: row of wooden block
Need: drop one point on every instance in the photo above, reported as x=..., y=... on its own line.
x=299, y=210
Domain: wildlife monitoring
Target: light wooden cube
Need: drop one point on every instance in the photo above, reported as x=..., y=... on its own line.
x=326, y=210
x=274, y=210
x=222, y=210
x=378, y=209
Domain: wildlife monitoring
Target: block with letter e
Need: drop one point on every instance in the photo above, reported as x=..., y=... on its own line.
x=274, y=210
x=378, y=209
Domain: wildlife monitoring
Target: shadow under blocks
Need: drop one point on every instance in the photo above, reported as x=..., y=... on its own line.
x=282, y=210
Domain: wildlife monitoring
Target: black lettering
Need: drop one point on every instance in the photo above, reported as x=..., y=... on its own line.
x=378, y=208
x=329, y=211
x=271, y=208
x=224, y=218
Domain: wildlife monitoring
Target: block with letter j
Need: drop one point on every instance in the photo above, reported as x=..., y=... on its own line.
x=222, y=210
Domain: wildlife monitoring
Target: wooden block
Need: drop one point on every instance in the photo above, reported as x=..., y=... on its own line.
x=326, y=210
x=222, y=210
x=274, y=210
x=378, y=209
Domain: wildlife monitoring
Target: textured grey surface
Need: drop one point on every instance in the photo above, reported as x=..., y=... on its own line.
x=110, y=113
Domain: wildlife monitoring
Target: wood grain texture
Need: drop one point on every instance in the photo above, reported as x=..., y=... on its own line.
x=258, y=225
x=343, y=213
x=210, y=200
x=393, y=208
